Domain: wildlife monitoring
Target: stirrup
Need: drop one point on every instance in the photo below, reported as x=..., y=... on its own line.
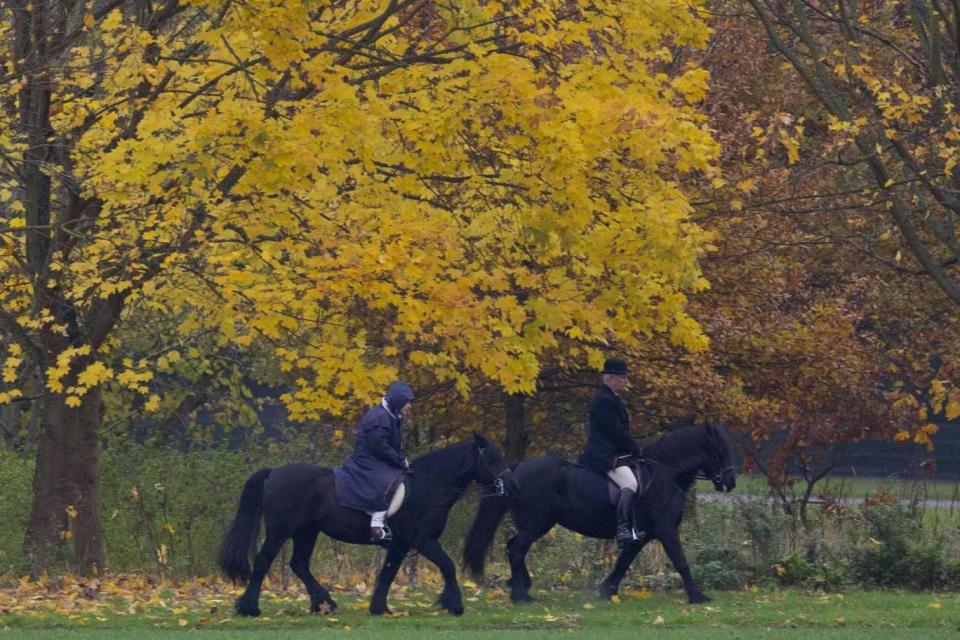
x=381, y=534
x=633, y=537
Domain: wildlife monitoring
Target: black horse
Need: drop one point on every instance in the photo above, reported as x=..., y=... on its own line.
x=551, y=491
x=298, y=501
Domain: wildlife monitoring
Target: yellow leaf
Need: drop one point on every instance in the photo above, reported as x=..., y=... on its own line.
x=153, y=403
x=952, y=409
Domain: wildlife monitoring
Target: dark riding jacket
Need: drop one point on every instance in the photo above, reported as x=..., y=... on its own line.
x=374, y=470
x=609, y=432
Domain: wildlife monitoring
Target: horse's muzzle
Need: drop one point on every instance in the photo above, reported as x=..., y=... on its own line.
x=725, y=481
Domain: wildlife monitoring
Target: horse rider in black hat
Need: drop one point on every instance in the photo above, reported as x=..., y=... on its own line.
x=610, y=448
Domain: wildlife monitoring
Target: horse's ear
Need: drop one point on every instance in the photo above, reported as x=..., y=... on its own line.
x=479, y=440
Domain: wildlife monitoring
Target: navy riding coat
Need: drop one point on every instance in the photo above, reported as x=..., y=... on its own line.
x=369, y=477
x=609, y=433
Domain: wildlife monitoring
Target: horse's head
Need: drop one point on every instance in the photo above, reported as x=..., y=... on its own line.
x=718, y=466
x=490, y=469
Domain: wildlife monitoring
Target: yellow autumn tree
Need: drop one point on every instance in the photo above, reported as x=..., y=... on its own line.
x=364, y=187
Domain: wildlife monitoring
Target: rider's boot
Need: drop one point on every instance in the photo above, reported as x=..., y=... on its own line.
x=625, y=531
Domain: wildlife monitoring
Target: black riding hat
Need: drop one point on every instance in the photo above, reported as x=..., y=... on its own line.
x=615, y=367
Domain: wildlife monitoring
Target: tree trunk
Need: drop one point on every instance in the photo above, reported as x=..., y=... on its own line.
x=517, y=436
x=65, y=487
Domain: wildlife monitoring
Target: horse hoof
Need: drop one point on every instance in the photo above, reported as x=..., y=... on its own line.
x=521, y=598
x=699, y=598
x=605, y=592
x=247, y=611
x=380, y=611
x=325, y=608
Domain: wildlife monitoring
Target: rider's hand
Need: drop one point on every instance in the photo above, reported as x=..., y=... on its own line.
x=406, y=463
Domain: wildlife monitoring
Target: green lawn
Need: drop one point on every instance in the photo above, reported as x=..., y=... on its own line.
x=386, y=633
x=573, y=614
x=859, y=487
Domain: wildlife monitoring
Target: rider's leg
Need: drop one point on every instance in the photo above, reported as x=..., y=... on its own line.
x=380, y=532
x=624, y=478
x=397, y=500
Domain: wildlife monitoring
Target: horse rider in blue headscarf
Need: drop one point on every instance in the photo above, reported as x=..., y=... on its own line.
x=372, y=477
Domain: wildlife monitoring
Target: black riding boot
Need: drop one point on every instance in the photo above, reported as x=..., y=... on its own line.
x=625, y=532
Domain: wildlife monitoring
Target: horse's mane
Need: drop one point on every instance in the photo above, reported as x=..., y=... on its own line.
x=453, y=457
x=677, y=444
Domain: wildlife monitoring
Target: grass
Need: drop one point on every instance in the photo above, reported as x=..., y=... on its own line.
x=172, y=612
x=860, y=487
x=626, y=633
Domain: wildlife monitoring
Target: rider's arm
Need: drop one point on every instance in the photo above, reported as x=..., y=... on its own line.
x=607, y=419
x=378, y=439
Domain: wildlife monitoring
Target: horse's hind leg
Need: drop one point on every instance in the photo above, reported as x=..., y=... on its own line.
x=450, y=599
x=248, y=603
x=378, y=602
x=320, y=600
x=611, y=584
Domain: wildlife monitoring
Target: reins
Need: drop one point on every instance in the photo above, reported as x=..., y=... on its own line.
x=496, y=487
x=717, y=478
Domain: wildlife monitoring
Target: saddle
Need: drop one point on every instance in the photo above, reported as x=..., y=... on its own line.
x=405, y=483
x=598, y=487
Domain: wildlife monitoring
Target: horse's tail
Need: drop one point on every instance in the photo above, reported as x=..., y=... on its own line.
x=489, y=515
x=238, y=543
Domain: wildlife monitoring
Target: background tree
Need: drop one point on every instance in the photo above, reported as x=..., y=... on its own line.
x=350, y=190
x=823, y=333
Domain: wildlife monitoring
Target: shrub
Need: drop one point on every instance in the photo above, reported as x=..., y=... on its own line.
x=891, y=550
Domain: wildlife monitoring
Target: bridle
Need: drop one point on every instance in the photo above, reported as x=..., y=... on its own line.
x=717, y=478
x=489, y=490
x=496, y=487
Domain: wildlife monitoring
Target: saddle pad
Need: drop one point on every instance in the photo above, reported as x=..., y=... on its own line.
x=406, y=493
x=593, y=485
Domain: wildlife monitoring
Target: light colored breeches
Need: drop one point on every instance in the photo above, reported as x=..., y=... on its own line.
x=377, y=517
x=623, y=477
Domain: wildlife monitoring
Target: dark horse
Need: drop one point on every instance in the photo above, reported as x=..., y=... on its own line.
x=551, y=492
x=298, y=501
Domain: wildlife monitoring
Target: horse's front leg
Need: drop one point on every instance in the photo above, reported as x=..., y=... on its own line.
x=609, y=586
x=670, y=539
x=378, y=602
x=450, y=599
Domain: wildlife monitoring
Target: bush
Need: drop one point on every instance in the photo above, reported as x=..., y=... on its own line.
x=715, y=550
x=16, y=475
x=891, y=550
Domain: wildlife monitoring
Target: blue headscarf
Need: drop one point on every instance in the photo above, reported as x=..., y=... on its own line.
x=399, y=394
